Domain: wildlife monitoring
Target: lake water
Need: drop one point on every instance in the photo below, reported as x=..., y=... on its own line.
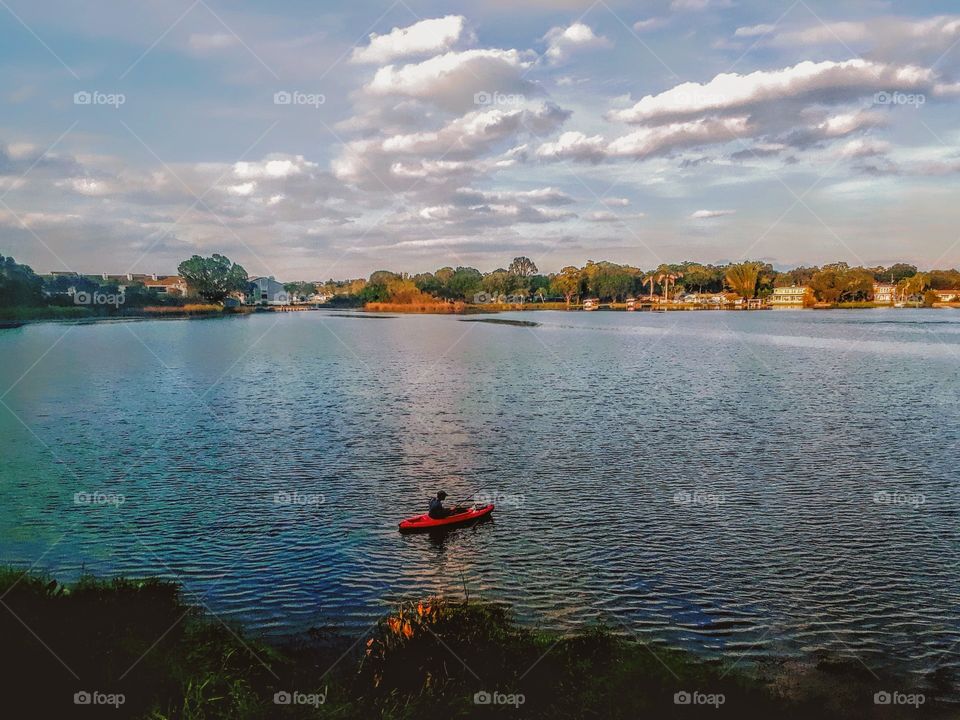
x=741, y=484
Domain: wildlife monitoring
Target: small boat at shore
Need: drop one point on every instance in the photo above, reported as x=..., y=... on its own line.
x=461, y=516
x=10, y=324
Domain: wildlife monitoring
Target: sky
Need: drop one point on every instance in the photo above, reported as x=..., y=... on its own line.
x=311, y=140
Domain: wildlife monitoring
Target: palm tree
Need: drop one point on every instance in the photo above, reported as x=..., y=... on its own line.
x=742, y=279
x=648, y=280
x=666, y=279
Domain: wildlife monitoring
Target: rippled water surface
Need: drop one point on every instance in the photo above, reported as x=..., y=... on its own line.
x=742, y=484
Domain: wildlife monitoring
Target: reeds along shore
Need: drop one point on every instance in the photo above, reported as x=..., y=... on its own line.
x=436, y=308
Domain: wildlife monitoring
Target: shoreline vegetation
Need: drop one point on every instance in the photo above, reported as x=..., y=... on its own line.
x=141, y=649
x=217, y=286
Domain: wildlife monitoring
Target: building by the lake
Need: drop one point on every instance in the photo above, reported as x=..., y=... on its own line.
x=793, y=297
x=884, y=293
x=267, y=291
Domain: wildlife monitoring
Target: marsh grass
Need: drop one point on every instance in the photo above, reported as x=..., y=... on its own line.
x=440, y=308
x=189, y=309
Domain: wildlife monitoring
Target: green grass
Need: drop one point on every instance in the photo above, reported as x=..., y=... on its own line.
x=425, y=660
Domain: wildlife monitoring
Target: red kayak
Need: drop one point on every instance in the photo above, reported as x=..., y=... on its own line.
x=461, y=516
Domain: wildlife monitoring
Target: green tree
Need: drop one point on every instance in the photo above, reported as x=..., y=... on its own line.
x=702, y=278
x=838, y=282
x=523, y=267
x=944, y=279
x=300, y=289
x=465, y=283
x=895, y=273
x=567, y=283
x=798, y=276
x=428, y=283
x=539, y=286
x=742, y=278
x=19, y=285
x=612, y=283
x=213, y=278
x=500, y=282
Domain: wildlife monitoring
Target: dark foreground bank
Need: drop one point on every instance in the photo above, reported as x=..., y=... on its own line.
x=131, y=648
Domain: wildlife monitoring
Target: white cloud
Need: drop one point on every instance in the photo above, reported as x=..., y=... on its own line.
x=454, y=79
x=846, y=123
x=563, y=42
x=574, y=145
x=827, y=82
x=242, y=189
x=539, y=196
x=645, y=142
x=275, y=166
x=863, y=147
x=754, y=30
x=648, y=24
x=426, y=37
x=605, y=216
x=710, y=214
x=379, y=161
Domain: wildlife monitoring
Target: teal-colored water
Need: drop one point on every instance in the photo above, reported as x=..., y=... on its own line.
x=738, y=483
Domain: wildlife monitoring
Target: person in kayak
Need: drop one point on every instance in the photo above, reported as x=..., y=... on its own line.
x=437, y=511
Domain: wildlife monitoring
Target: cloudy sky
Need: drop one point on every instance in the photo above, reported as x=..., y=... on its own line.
x=314, y=140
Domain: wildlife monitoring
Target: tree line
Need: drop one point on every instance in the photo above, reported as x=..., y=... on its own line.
x=217, y=277
x=612, y=282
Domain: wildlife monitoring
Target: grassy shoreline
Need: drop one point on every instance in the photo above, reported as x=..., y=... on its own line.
x=142, y=641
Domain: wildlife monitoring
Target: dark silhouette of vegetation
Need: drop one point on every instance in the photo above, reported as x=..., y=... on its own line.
x=142, y=641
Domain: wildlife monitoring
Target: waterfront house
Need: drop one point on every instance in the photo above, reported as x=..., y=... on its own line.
x=170, y=285
x=267, y=291
x=793, y=297
x=947, y=295
x=884, y=293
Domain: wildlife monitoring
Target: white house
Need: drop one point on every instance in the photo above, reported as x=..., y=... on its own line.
x=792, y=298
x=267, y=291
x=884, y=293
